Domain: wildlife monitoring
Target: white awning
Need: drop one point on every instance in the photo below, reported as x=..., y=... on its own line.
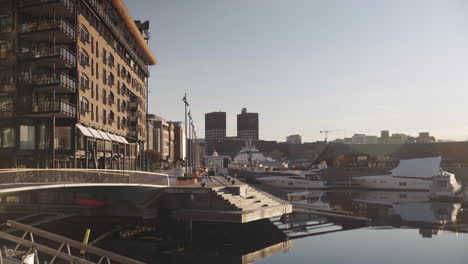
x=124, y=140
x=104, y=135
x=114, y=138
x=95, y=133
x=84, y=131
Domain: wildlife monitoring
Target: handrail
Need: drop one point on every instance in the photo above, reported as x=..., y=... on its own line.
x=49, y=24
x=70, y=242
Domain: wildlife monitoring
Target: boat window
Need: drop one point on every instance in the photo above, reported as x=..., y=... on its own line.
x=402, y=183
x=442, y=183
x=290, y=183
x=403, y=195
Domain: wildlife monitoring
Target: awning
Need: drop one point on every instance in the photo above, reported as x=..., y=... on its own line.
x=95, y=133
x=114, y=138
x=84, y=131
x=124, y=140
x=104, y=135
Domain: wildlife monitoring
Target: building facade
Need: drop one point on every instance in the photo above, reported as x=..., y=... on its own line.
x=294, y=139
x=247, y=125
x=215, y=130
x=73, y=84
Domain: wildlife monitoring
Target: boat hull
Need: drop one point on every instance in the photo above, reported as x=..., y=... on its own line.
x=393, y=183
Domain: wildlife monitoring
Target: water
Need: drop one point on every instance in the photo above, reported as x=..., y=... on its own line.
x=406, y=227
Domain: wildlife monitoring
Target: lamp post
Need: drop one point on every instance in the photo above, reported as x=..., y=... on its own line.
x=185, y=134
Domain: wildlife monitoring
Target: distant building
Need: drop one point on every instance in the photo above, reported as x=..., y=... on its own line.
x=363, y=139
x=215, y=130
x=294, y=139
x=424, y=137
x=179, y=153
x=247, y=125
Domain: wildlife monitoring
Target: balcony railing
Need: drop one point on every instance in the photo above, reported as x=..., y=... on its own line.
x=54, y=106
x=6, y=107
x=69, y=5
x=59, y=79
x=47, y=25
x=58, y=51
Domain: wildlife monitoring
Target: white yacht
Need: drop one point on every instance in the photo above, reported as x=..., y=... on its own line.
x=310, y=179
x=413, y=174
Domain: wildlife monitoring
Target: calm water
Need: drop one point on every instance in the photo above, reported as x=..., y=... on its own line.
x=406, y=227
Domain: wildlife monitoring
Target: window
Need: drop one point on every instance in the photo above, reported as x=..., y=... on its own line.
x=84, y=105
x=111, y=98
x=92, y=112
x=84, y=58
x=92, y=67
x=42, y=137
x=97, y=92
x=97, y=70
x=84, y=81
x=104, y=76
x=104, y=116
x=84, y=34
x=402, y=183
x=111, y=79
x=63, y=138
x=7, y=137
x=97, y=113
x=27, y=137
x=110, y=60
x=6, y=49
x=92, y=89
x=111, y=117
x=104, y=56
x=104, y=96
x=6, y=23
x=92, y=44
x=97, y=49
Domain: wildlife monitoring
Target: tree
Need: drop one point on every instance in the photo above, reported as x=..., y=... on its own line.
x=154, y=159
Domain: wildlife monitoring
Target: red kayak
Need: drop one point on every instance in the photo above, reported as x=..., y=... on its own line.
x=89, y=202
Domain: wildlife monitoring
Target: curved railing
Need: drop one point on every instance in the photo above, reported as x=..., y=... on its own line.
x=16, y=177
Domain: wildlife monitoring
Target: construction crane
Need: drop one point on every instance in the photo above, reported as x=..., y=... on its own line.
x=329, y=131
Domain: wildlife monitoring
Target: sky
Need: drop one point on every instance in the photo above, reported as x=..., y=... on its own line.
x=356, y=66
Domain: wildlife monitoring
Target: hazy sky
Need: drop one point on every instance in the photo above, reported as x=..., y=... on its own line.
x=309, y=65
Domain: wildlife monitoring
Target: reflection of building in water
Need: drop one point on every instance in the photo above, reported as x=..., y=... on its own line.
x=428, y=232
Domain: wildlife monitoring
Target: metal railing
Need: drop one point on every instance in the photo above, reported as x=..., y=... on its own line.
x=61, y=79
x=6, y=106
x=50, y=24
x=29, y=240
x=60, y=51
x=66, y=3
x=54, y=106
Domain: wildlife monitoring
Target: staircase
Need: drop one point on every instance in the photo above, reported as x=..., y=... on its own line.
x=251, y=200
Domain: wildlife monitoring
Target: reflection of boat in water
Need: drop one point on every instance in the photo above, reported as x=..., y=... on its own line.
x=416, y=174
x=391, y=197
x=411, y=209
x=311, y=199
x=304, y=180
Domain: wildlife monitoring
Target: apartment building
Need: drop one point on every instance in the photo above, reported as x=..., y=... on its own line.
x=73, y=84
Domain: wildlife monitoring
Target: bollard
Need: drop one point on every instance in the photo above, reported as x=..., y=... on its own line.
x=85, y=240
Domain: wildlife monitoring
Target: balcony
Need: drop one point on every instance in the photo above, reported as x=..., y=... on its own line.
x=57, y=108
x=59, y=56
x=60, y=82
x=61, y=8
x=64, y=31
x=6, y=109
x=6, y=87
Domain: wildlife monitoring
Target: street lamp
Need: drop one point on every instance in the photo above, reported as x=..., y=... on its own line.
x=185, y=134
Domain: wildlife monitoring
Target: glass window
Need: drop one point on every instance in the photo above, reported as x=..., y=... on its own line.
x=84, y=34
x=42, y=137
x=63, y=138
x=27, y=137
x=8, y=137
